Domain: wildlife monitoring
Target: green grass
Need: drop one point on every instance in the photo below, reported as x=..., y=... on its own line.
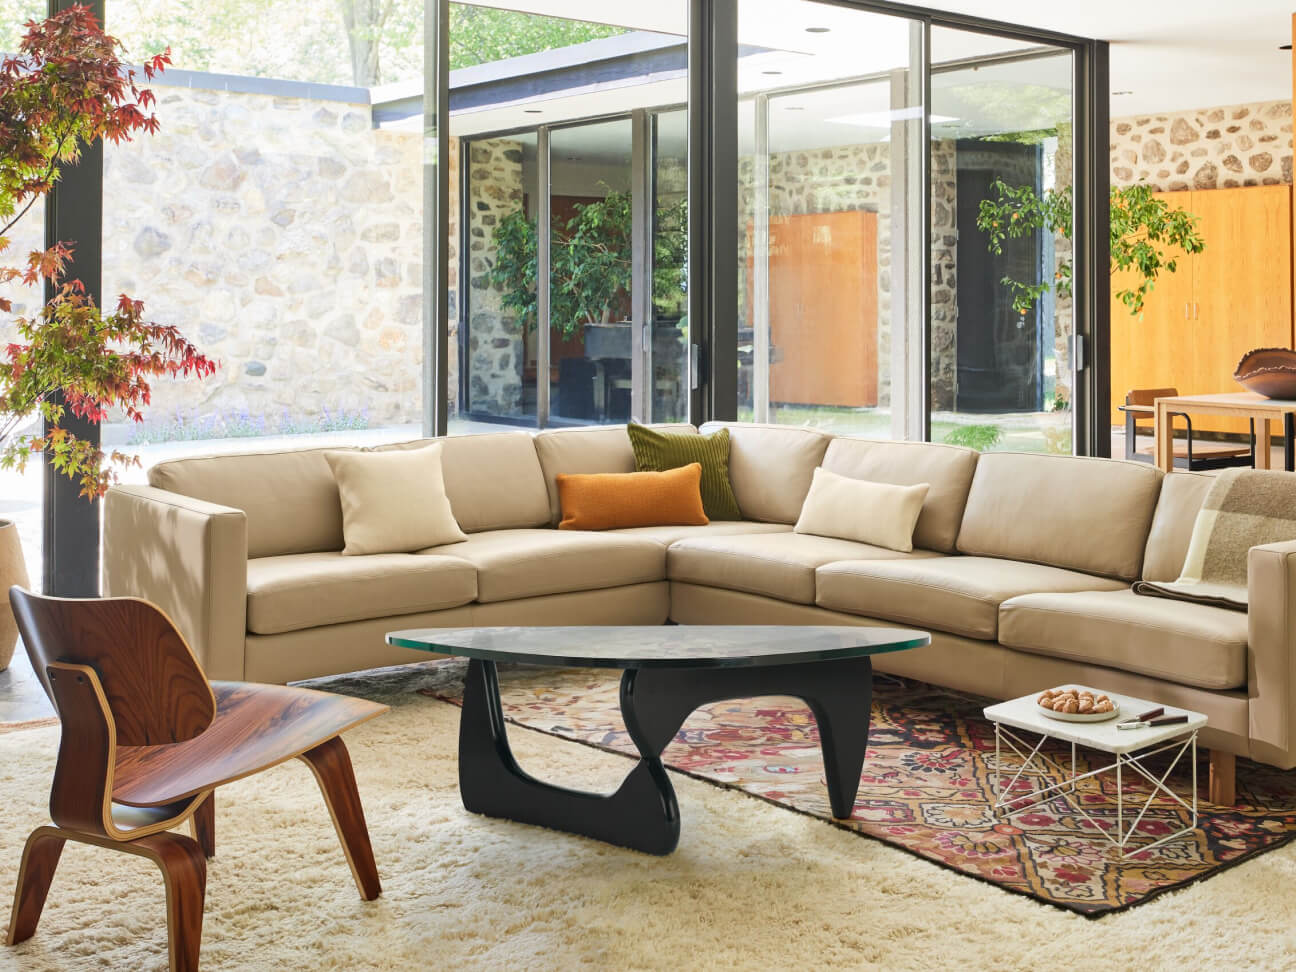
x=1021, y=431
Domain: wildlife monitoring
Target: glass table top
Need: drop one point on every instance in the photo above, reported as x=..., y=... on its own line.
x=662, y=646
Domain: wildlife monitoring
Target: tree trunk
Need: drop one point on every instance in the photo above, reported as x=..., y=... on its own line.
x=364, y=21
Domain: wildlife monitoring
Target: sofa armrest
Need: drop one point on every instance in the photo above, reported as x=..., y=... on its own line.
x=190, y=559
x=1271, y=665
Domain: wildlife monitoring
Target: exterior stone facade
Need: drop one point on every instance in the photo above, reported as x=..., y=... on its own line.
x=1210, y=148
x=284, y=236
x=495, y=353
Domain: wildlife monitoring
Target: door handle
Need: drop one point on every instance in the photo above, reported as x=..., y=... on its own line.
x=1196, y=311
x=1187, y=316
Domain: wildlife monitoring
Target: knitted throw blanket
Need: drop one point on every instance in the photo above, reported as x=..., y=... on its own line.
x=1243, y=509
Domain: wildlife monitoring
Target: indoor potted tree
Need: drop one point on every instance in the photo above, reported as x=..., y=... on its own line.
x=66, y=88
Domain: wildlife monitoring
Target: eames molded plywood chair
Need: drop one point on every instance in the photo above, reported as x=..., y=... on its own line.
x=147, y=740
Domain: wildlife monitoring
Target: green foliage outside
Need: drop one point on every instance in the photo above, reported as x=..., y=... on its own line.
x=978, y=437
x=311, y=41
x=1146, y=235
x=480, y=35
x=591, y=264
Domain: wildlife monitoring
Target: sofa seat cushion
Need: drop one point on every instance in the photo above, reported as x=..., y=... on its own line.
x=779, y=565
x=1192, y=644
x=960, y=595
x=716, y=528
x=531, y=563
x=296, y=591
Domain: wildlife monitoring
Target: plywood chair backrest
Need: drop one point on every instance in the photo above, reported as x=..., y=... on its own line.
x=156, y=690
x=1147, y=397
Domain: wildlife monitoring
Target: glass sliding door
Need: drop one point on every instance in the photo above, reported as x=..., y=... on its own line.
x=830, y=207
x=592, y=343
x=572, y=162
x=667, y=347
x=1002, y=322
x=499, y=331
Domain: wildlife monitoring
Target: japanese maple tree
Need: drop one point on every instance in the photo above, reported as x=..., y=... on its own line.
x=66, y=88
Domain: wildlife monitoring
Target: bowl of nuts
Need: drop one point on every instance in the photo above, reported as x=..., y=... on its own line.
x=1077, y=705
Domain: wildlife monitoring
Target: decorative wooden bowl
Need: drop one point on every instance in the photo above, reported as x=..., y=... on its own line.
x=1270, y=372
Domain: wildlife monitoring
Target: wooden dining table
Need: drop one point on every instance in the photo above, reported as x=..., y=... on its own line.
x=1246, y=405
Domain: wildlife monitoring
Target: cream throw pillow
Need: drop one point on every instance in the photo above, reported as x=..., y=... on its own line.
x=393, y=501
x=857, y=509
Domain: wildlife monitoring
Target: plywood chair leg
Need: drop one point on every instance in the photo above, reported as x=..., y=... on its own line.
x=1223, y=777
x=332, y=767
x=204, y=825
x=39, y=861
x=184, y=870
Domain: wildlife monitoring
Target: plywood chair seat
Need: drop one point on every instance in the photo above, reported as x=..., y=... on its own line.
x=146, y=740
x=1190, y=452
x=255, y=727
x=1145, y=445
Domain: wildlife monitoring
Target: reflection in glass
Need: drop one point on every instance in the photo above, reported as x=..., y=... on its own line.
x=669, y=251
x=825, y=127
x=1001, y=373
x=590, y=198
x=577, y=123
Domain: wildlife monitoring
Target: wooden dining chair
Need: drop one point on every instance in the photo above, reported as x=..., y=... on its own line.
x=147, y=740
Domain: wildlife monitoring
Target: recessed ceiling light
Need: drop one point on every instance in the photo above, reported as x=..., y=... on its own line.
x=532, y=111
x=818, y=30
x=771, y=72
x=1117, y=94
x=884, y=118
x=793, y=108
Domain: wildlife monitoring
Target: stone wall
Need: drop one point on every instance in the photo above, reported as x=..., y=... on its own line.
x=1210, y=148
x=495, y=353
x=284, y=236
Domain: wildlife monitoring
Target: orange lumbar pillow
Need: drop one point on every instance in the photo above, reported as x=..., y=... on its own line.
x=605, y=501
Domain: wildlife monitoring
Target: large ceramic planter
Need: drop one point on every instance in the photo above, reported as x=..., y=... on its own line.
x=1270, y=372
x=13, y=570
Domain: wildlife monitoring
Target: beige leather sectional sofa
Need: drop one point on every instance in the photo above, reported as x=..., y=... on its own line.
x=1021, y=568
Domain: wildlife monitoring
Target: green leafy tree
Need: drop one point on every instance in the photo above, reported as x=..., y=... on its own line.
x=591, y=255
x=66, y=87
x=480, y=35
x=1146, y=236
x=978, y=437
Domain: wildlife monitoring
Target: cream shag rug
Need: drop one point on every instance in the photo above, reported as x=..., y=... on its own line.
x=751, y=885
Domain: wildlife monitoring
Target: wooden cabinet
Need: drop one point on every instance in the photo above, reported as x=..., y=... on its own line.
x=1199, y=321
x=823, y=309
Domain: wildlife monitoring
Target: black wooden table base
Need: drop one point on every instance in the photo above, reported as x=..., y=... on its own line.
x=642, y=814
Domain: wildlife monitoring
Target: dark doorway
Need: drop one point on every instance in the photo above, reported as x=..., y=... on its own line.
x=1000, y=357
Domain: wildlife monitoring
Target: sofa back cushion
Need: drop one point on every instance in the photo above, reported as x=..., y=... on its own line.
x=1085, y=514
x=1182, y=495
x=596, y=449
x=290, y=498
x=494, y=481
x=946, y=469
x=771, y=467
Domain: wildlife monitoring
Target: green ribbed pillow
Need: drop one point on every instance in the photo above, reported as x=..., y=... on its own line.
x=656, y=451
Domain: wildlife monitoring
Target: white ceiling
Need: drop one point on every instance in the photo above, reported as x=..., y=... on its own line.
x=1171, y=54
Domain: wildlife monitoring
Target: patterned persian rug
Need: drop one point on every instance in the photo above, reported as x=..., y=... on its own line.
x=927, y=786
